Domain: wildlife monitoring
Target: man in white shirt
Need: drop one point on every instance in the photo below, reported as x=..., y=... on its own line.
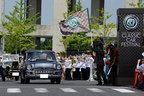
x=89, y=62
x=83, y=70
x=68, y=66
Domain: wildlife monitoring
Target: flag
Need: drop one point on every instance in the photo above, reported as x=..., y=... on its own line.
x=78, y=22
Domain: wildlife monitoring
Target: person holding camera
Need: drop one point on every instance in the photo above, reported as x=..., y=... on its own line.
x=99, y=62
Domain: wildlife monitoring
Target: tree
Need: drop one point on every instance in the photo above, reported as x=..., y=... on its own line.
x=139, y=4
x=77, y=7
x=77, y=42
x=46, y=45
x=100, y=25
x=17, y=27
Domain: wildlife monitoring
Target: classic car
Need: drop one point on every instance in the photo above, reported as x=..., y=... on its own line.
x=41, y=64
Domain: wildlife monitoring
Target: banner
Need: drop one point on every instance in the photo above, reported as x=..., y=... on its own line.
x=78, y=22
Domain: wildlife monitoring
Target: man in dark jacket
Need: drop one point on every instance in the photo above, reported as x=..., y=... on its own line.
x=99, y=62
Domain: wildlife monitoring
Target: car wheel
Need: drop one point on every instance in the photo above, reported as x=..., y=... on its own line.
x=52, y=81
x=16, y=78
x=58, y=81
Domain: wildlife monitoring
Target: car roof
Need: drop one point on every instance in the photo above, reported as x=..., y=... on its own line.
x=39, y=51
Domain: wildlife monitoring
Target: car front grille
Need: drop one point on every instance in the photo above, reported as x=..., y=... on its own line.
x=44, y=70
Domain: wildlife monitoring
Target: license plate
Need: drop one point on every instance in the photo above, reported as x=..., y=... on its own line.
x=43, y=75
x=15, y=73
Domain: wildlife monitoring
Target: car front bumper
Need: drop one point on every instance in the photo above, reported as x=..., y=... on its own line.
x=39, y=76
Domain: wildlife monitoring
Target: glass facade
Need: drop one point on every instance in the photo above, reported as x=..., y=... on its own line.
x=47, y=13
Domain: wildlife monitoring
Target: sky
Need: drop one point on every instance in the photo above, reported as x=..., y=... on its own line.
x=111, y=6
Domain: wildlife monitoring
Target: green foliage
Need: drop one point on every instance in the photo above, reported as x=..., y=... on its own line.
x=77, y=7
x=101, y=26
x=77, y=41
x=46, y=45
x=17, y=26
x=139, y=4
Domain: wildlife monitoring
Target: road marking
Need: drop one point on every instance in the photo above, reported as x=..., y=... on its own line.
x=13, y=90
x=41, y=90
x=95, y=90
x=123, y=90
x=68, y=90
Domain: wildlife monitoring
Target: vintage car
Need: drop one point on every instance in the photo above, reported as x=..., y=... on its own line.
x=41, y=64
x=9, y=66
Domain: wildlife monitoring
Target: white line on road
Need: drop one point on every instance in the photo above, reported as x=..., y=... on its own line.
x=95, y=90
x=13, y=90
x=41, y=90
x=123, y=90
x=68, y=90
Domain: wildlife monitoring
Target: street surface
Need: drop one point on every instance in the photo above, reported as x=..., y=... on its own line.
x=66, y=88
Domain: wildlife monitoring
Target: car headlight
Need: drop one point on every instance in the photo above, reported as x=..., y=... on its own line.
x=58, y=67
x=29, y=67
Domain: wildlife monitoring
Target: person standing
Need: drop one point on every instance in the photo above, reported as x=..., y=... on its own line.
x=74, y=68
x=113, y=64
x=107, y=61
x=140, y=67
x=99, y=63
x=63, y=67
x=58, y=58
x=78, y=76
x=68, y=64
x=89, y=62
x=83, y=70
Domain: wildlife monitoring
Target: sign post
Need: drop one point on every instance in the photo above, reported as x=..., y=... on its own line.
x=130, y=28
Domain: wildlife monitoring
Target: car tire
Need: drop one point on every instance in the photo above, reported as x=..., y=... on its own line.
x=58, y=81
x=16, y=78
x=52, y=81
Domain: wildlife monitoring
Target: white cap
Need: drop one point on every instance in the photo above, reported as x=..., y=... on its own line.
x=143, y=54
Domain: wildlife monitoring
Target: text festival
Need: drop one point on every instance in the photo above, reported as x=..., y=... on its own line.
x=130, y=39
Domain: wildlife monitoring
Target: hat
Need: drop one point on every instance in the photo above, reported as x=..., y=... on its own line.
x=143, y=54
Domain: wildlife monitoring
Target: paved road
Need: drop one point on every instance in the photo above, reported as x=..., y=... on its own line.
x=66, y=88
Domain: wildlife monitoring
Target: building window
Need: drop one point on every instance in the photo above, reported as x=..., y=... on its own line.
x=95, y=6
x=36, y=5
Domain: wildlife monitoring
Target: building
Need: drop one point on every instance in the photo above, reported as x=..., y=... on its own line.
x=51, y=12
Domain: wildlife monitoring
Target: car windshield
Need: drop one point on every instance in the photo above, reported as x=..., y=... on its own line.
x=40, y=56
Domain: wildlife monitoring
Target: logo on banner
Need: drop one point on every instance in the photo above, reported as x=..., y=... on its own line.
x=131, y=22
x=73, y=22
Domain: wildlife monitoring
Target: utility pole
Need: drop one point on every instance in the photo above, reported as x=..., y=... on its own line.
x=3, y=30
